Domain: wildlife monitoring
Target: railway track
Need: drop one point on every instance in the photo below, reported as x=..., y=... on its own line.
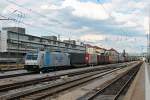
x=55, y=86
x=114, y=90
x=41, y=91
x=15, y=75
x=10, y=67
x=7, y=70
x=16, y=85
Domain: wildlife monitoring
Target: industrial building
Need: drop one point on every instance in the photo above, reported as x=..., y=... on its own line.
x=15, y=43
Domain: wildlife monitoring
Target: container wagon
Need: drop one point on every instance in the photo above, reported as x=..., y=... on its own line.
x=77, y=59
x=91, y=59
x=101, y=59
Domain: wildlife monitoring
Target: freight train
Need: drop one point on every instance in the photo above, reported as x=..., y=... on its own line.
x=46, y=60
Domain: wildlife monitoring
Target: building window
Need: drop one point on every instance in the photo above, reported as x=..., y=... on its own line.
x=31, y=38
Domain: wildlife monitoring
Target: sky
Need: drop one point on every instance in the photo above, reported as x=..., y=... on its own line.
x=119, y=24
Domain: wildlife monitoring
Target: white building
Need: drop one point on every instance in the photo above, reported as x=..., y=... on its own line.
x=16, y=43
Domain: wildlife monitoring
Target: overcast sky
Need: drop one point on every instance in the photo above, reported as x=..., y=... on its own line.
x=119, y=24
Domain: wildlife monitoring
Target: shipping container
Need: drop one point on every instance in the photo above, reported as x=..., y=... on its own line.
x=91, y=59
x=77, y=59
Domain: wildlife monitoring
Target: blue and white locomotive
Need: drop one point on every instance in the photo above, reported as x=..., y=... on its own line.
x=45, y=61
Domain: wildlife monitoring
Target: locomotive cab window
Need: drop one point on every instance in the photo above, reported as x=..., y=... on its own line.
x=32, y=57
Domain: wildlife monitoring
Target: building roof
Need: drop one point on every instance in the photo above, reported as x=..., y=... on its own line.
x=88, y=45
x=97, y=47
x=112, y=49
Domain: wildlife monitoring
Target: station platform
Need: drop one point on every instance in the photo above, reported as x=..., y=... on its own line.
x=140, y=87
x=147, y=82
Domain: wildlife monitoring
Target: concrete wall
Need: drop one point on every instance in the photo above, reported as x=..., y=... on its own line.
x=15, y=29
x=3, y=41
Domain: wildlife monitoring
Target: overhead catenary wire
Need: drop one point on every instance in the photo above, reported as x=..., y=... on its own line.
x=4, y=18
x=44, y=16
x=39, y=14
x=43, y=23
x=27, y=24
x=33, y=11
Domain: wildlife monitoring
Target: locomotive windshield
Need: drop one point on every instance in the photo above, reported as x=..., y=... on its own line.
x=32, y=57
